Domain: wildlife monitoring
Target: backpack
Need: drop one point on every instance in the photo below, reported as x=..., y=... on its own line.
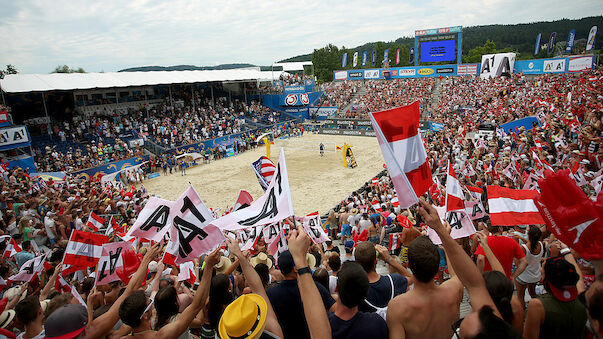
x=382, y=311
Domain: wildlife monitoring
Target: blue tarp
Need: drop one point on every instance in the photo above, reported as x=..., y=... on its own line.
x=525, y=122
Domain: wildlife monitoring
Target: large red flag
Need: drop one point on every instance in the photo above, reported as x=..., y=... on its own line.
x=397, y=131
x=454, y=192
x=84, y=248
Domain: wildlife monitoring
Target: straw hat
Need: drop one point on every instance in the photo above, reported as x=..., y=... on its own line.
x=222, y=265
x=354, y=211
x=261, y=258
x=6, y=318
x=243, y=318
x=311, y=260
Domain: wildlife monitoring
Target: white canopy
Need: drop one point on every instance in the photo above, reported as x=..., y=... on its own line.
x=19, y=83
x=293, y=66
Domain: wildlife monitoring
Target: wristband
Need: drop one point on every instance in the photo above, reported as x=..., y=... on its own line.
x=304, y=270
x=389, y=260
x=565, y=251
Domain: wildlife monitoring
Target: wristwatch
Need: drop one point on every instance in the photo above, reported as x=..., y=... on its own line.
x=304, y=270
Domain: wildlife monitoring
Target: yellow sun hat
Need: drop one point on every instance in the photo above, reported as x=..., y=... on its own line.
x=243, y=318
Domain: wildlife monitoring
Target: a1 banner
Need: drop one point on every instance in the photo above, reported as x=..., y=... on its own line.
x=249, y=237
x=275, y=205
x=312, y=226
x=29, y=269
x=475, y=209
x=153, y=221
x=110, y=261
x=278, y=245
x=459, y=221
x=192, y=228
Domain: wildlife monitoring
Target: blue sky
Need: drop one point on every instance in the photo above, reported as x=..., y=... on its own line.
x=110, y=35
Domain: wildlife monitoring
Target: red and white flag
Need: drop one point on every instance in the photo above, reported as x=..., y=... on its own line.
x=113, y=227
x=397, y=131
x=62, y=285
x=110, y=261
x=29, y=269
x=509, y=207
x=12, y=247
x=314, y=229
x=153, y=221
x=395, y=202
x=84, y=248
x=249, y=237
x=375, y=181
x=376, y=205
x=578, y=174
x=274, y=206
x=95, y=222
x=278, y=245
x=394, y=241
x=475, y=192
x=454, y=192
x=192, y=227
x=531, y=182
x=187, y=272
x=243, y=200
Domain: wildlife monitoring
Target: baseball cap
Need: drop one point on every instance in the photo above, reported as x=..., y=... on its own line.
x=66, y=322
x=561, y=278
x=285, y=262
x=349, y=244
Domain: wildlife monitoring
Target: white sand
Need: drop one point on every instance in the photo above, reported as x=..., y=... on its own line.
x=316, y=183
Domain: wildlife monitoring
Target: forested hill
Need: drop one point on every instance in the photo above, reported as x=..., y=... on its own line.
x=184, y=68
x=519, y=38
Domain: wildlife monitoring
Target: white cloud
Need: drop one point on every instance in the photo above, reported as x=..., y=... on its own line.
x=109, y=35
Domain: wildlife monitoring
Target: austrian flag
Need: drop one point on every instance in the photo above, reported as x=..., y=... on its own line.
x=397, y=131
x=509, y=207
x=84, y=248
x=95, y=222
x=454, y=192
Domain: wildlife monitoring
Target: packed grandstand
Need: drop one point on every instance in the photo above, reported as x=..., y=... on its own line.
x=97, y=255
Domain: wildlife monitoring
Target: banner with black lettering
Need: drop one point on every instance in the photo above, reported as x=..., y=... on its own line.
x=569, y=45
x=475, y=209
x=29, y=269
x=153, y=221
x=459, y=221
x=249, y=237
x=551, y=44
x=314, y=229
x=110, y=261
x=191, y=227
x=274, y=206
x=495, y=65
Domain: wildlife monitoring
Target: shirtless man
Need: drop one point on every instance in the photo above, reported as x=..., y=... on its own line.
x=428, y=310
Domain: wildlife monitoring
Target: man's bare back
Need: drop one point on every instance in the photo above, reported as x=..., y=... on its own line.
x=426, y=311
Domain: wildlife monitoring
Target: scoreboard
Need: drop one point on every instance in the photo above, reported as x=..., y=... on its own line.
x=438, y=45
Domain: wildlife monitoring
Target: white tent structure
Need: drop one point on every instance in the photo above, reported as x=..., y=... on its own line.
x=22, y=83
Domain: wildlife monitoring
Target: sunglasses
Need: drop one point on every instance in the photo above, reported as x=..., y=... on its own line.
x=148, y=307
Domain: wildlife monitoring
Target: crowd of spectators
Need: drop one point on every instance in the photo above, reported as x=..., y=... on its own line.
x=338, y=94
x=388, y=279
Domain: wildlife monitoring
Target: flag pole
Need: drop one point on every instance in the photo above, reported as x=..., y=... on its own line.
x=446, y=196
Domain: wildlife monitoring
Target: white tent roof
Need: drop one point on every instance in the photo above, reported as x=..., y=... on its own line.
x=19, y=83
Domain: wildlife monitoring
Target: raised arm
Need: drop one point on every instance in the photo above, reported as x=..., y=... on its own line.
x=50, y=282
x=176, y=328
x=255, y=283
x=465, y=269
x=102, y=325
x=482, y=236
x=314, y=310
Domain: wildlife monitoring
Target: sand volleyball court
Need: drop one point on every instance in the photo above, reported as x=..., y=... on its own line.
x=317, y=183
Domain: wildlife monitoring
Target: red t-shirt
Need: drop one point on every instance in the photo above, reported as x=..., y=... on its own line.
x=505, y=249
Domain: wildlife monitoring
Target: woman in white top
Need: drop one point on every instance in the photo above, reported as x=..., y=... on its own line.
x=531, y=275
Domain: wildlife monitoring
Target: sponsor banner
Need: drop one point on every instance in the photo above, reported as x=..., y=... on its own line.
x=368, y=133
x=322, y=112
x=554, y=66
x=364, y=55
x=386, y=55
x=344, y=123
x=467, y=69
x=495, y=65
x=551, y=45
x=445, y=70
x=537, y=46
x=373, y=57
x=590, y=42
x=309, y=86
x=411, y=55
x=14, y=137
x=355, y=75
x=444, y=30
x=407, y=72
x=535, y=66
x=355, y=60
x=344, y=60
x=569, y=45
x=371, y=74
x=580, y=64
x=294, y=89
x=113, y=167
x=340, y=75
x=398, y=56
